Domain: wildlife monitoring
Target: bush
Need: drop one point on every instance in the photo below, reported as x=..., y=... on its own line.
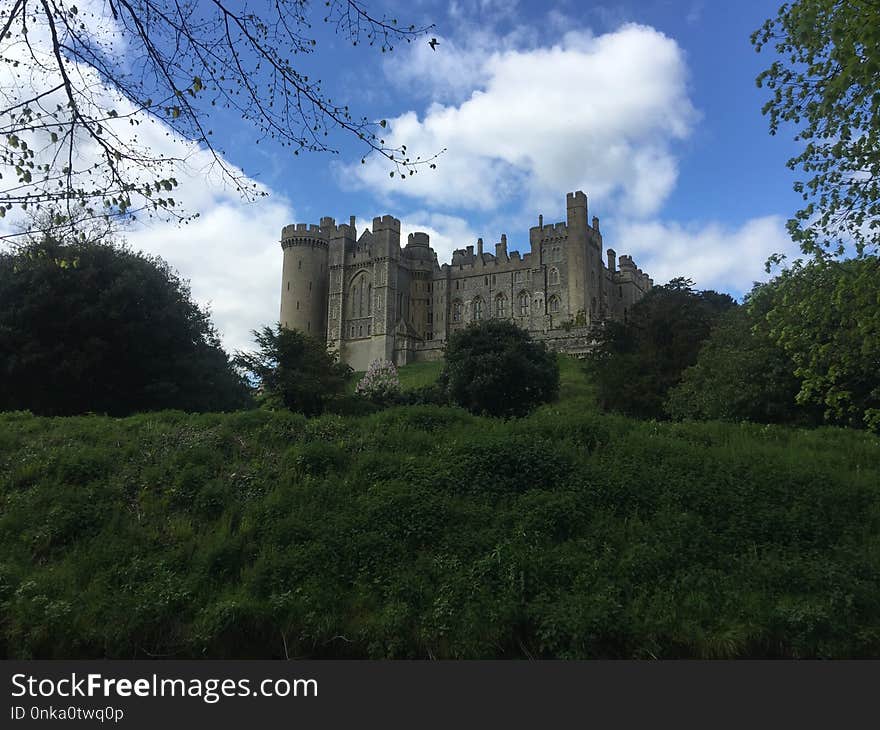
x=97, y=327
x=495, y=368
x=380, y=383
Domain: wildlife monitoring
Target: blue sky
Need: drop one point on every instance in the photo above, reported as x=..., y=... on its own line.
x=649, y=106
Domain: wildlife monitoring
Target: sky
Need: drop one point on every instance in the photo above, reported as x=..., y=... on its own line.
x=650, y=107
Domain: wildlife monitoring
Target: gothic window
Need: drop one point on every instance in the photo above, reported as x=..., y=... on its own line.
x=554, y=275
x=478, y=309
x=523, y=304
x=359, y=295
x=456, y=311
x=369, y=298
x=553, y=305
x=500, y=306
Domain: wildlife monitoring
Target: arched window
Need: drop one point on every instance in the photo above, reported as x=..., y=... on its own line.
x=524, y=304
x=456, y=311
x=553, y=276
x=359, y=295
x=553, y=305
x=478, y=309
x=501, y=306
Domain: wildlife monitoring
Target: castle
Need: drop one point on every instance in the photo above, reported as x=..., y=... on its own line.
x=372, y=299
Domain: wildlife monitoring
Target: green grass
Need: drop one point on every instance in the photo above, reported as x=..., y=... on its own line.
x=423, y=531
x=412, y=376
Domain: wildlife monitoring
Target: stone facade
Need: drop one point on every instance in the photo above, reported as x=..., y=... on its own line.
x=373, y=299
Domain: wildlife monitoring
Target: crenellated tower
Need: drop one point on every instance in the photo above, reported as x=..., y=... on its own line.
x=304, y=278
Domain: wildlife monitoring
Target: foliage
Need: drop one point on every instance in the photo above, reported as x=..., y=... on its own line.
x=380, y=383
x=635, y=363
x=429, y=532
x=826, y=316
x=827, y=82
x=293, y=370
x=82, y=81
x=740, y=374
x=494, y=367
x=88, y=326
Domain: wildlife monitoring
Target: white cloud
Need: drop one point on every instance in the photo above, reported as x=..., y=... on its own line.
x=714, y=256
x=598, y=113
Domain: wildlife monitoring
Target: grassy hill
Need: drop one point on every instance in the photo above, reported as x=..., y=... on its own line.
x=427, y=532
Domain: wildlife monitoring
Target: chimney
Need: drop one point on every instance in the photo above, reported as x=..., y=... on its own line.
x=470, y=251
x=612, y=258
x=351, y=222
x=501, y=248
x=596, y=223
x=479, y=247
x=540, y=221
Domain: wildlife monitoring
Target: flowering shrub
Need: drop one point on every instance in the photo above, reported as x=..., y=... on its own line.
x=380, y=383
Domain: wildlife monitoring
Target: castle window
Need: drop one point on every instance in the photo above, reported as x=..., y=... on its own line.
x=553, y=305
x=299, y=264
x=493, y=279
x=500, y=306
x=593, y=305
x=369, y=298
x=361, y=331
x=297, y=305
x=523, y=304
x=456, y=311
x=620, y=291
x=517, y=276
x=478, y=309
x=456, y=285
x=557, y=254
x=288, y=286
x=487, y=281
x=310, y=286
x=369, y=330
x=554, y=275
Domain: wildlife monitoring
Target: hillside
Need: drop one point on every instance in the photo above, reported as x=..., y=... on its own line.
x=426, y=532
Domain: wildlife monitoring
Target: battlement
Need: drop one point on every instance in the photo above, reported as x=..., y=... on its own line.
x=418, y=239
x=386, y=223
x=301, y=229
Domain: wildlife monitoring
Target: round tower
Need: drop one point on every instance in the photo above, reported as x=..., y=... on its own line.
x=305, y=276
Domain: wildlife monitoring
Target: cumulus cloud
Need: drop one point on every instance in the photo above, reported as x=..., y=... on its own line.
x=598, y=113
x=714, y=256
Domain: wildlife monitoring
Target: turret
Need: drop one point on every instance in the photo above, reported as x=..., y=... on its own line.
x=612, y=260
x=304, y=277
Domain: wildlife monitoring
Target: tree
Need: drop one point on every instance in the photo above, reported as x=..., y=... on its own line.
x=635, y=363
x=828, y=82
x=825, y=314
x=493, y=367
x=293, y=370
x=740, y=374
x=88, y=326
x=79, y=82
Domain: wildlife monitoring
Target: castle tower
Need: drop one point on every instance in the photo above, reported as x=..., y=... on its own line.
x=304, y=278
x=578, y=255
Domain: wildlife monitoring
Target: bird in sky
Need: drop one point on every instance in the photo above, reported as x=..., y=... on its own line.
x=433, y=43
